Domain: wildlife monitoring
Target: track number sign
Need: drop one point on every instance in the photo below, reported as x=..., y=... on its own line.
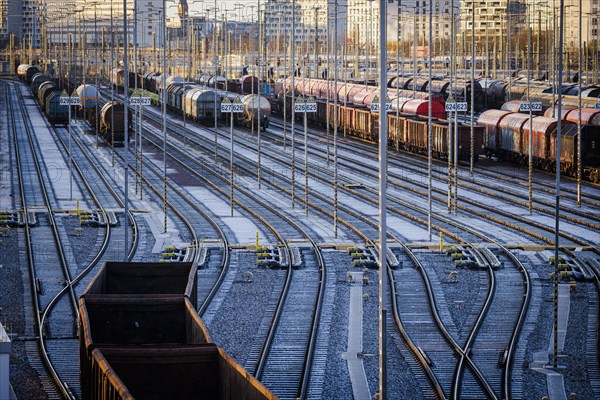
x=535, y=106
x=375, y=107
x=460, y=106
x=69, y=100
x=139, y=101
x=308, y=106
x=227, y=106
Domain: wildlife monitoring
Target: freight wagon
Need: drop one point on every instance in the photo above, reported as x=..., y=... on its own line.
x=140, y=337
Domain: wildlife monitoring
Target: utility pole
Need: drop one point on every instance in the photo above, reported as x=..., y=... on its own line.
x=215, y=77
x=335, y=120
x=315, y=41
x=383, y=281
x=450, y=114
x=429, y=122
x=293, y=100
x=579, y=117
x=530, y=166
x=126, y=129
x=163, y=23
x=557, y=211
x=472, y=89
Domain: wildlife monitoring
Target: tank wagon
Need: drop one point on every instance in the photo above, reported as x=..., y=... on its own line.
x=140, y=337
x=26, y=71
x=88, y=96
x=109, y=112
x=37, y=80
x=257, y=111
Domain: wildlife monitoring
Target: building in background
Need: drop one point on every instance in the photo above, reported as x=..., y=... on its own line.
x=311, y=23
x=590, y=10
x=21, y=18
x=95, y=20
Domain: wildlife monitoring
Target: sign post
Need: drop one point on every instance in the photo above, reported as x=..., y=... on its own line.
x=66, y=100
x=235, y=107
x=137, y=100
x=305, y=106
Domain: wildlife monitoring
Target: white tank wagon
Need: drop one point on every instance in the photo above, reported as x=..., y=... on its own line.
x=255, y=105
x=88, y=96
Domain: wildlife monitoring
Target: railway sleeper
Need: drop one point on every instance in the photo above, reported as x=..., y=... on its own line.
x=283, y=259
x=112, y=218
x=202, y=256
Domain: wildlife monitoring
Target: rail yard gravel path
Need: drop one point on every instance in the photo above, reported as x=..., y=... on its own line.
x=235, y=319
x=401, y=382
x=534, y=383
x=24, y=379
x=336, y=381
x=576, y=380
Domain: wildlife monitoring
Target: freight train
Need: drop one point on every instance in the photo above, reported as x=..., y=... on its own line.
x=98, y=112
x=200, y=101
x=48, y=95
x=489, y=93
x=408, y=130
x=140, y=337
x=499, y=91
x=25, y=72
x=461, y=89
x=507, y=137
x=46, y=91
x=106, y=118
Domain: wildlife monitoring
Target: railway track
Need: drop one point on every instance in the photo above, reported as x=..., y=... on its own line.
x=418, y=163
x=43, y=244
x=518, y=316
x=374, y=230
x=202, y=227
x=405, y=179
x=292, y=331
